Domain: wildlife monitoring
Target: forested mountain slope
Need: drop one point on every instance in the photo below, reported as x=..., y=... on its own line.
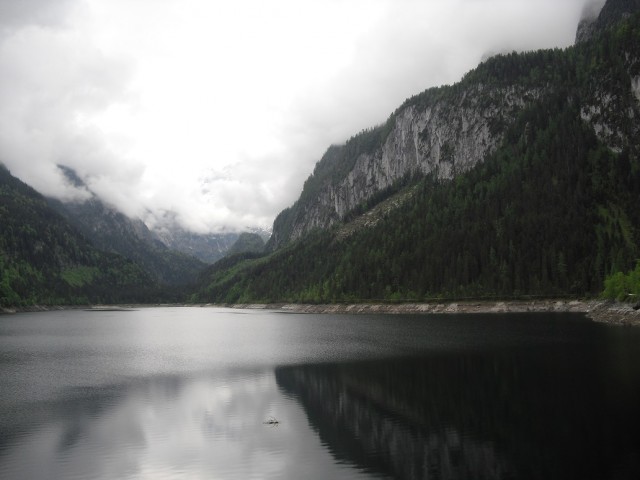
x=43, y=260
x=524, y=178
x=448, y=130
x=246, y=243
x=112, y=231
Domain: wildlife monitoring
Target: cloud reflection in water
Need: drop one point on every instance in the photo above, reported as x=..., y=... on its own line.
x=167, y=427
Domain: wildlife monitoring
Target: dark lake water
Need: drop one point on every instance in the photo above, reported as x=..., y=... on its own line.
x=184, y=393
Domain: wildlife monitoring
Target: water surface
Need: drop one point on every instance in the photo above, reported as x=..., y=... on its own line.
x=186, y=392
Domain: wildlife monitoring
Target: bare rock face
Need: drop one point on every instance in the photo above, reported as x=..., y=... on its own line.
x=446, y=137
x=586, y=28
x=587, y=25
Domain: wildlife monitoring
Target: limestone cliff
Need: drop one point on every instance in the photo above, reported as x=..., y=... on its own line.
x=445, y=131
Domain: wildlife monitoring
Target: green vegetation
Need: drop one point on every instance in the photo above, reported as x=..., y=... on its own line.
x=111, y=231
x=623, y=287
x=247, y=242
x=44, y=261
x=80, y=275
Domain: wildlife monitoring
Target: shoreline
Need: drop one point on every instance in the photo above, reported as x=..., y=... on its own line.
x=601, y=311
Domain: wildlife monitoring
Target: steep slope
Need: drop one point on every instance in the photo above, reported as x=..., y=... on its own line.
x=44, y=260
x=208, y=248
x=445, y=131
x=169, y=251
x=448, y=130
x=247, y=243
x=111, y=231
x=611, y=13
x=543, y=202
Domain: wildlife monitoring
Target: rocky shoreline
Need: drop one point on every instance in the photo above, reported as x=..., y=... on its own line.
x=603, y=311
x=614, y=313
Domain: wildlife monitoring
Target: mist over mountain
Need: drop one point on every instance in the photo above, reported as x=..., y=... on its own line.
x=44, y=260
x=598, y=15
x=217, y=119
x=207, y=247
x=111, y=229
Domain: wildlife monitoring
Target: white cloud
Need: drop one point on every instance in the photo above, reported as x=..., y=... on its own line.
x=219, y=110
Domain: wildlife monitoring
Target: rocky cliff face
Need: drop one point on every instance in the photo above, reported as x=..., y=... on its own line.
x=607, y=104
x=447, y=136
x=443, y=131
x=448, y=130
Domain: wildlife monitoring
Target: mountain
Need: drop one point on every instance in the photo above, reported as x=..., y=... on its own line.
x=111, y=231
x=247, y=243
x=168, y=250
x=447, y=131
x=208, y=248
x=44, y=260
x=523, y=178
x=611, y=13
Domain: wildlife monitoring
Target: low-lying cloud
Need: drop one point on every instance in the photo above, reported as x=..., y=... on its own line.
x=218, y=111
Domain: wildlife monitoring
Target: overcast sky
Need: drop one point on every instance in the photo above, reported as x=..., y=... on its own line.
x=218, y=110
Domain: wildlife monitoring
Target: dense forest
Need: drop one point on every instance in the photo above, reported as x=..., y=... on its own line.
x=112, y=231
x=45, y=261
x=553, y=211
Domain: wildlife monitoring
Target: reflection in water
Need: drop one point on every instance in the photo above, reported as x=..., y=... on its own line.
x=184, y=393
x=168, y=427
x=500, y=415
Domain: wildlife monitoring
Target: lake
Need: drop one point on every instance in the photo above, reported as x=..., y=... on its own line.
x=205, y=393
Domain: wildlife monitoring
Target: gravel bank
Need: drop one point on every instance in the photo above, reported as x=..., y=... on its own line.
x=600, y=311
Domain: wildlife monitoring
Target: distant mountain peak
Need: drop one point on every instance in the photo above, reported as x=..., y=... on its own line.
x=72, y=176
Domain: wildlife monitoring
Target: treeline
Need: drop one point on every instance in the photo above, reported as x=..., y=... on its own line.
x=624, y=287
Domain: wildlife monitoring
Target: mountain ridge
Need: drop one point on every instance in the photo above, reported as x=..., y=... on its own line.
x=445, y=130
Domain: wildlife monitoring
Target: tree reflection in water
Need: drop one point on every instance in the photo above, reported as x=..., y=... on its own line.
x=509, y=414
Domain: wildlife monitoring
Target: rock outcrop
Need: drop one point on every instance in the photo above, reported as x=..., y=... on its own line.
x=442, y=134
